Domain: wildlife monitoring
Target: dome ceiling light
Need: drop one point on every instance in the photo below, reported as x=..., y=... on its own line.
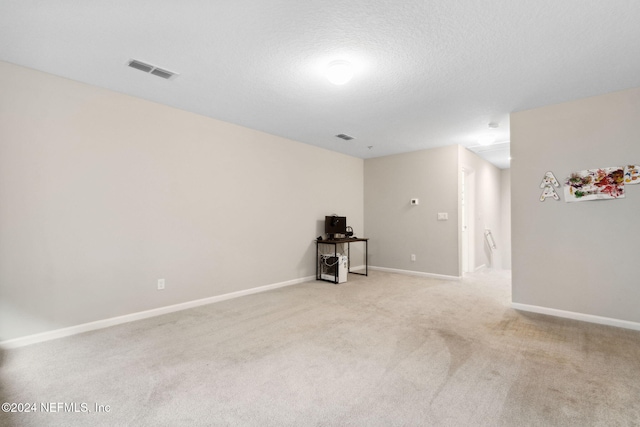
x=339, y=72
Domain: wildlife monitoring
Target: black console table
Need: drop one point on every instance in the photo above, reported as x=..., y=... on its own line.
x=335, y=243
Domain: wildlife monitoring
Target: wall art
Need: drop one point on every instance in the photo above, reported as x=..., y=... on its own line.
x=548, y=182
x=595, y=184
x=632, y=174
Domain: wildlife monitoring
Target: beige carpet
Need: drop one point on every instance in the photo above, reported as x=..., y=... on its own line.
x=383, y=350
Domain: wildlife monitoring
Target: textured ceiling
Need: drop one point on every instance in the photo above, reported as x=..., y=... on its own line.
x=429, y=73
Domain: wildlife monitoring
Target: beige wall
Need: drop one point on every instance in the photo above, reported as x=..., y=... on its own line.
x=398, y=229
x=577, y=257
x=103, y=194
x=505, y=217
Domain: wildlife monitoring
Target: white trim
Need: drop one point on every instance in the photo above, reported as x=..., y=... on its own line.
x=357, y=268
x=482, y=267
x=105, y=323
x=577, y=316
x=416, y=273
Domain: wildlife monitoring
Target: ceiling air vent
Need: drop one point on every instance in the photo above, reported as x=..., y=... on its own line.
x=345, y=137
x=140, y=66
x=162, y=73
x=152, y=69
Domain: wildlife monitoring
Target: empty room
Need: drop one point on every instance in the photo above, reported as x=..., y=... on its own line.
x=365, y=213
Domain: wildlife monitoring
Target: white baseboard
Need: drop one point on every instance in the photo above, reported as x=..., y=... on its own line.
x=415, y=273
x=105, y=323
x=577, y=316
x=357, y=268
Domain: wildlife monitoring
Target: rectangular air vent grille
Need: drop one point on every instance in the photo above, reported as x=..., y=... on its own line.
x=152, y=69
x=345, y=136
x=140, y=66
x=162, y=73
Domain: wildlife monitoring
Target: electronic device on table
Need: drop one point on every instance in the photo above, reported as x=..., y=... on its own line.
x=335, y=225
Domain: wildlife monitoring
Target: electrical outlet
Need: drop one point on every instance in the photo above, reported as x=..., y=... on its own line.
x=160, y=284
x=413, y=257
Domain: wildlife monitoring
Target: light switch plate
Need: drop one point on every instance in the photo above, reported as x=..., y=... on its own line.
x=443, y=216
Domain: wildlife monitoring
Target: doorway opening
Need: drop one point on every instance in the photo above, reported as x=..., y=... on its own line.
x=467, y=209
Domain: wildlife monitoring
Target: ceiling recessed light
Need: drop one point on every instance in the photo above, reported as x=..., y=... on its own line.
x=339, y=72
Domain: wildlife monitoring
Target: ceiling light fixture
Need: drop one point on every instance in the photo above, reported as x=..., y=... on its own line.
x=339, y=72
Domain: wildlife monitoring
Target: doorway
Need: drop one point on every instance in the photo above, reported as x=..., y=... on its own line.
x=467, y=205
